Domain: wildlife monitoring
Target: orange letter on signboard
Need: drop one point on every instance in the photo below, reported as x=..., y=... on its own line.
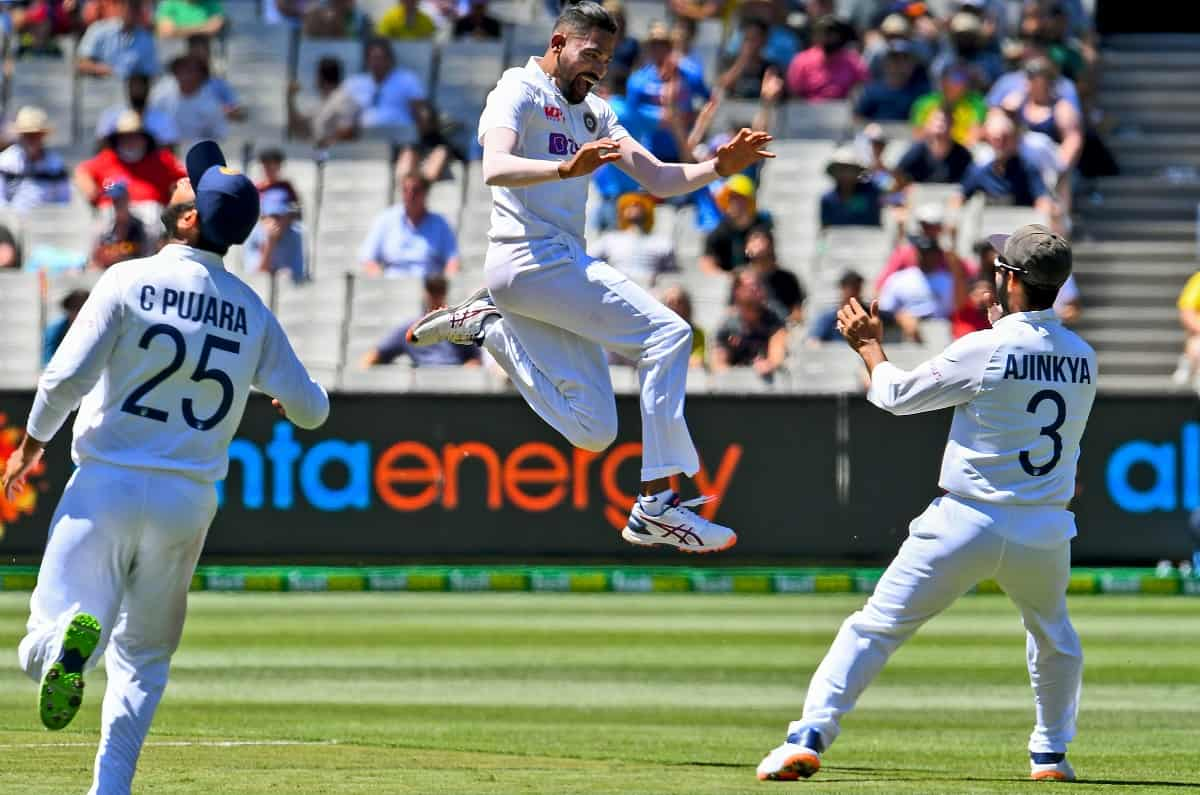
x=453, y=455
x=718, y=487
x=388, y=476
x=617, y=510
x=515, y=477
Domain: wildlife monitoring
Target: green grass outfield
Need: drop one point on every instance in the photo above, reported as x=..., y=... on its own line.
x=613, y=693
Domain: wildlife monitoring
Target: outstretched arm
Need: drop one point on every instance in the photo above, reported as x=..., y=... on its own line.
x=501, y=168
x=674, y=179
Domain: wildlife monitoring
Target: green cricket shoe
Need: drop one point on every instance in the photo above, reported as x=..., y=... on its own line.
x=61, y=691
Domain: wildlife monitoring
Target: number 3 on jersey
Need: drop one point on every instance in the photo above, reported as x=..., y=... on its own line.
x=1051, y=430
x=132, y=404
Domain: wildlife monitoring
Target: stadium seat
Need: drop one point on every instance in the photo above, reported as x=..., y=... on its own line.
x=745, y=381
x=417, y=56
x=825, y=120
x=96, y=94
x=47, y=83
x=435, y=380
x=24, y=317
x=467, y=71
x=383, y=379
x=829, y=367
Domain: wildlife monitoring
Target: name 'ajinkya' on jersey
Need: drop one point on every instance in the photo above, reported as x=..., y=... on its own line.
x=1022, y=392
x=160, y=362
x=527, y=101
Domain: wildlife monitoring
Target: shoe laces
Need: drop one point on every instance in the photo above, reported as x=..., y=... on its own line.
x=687, y=505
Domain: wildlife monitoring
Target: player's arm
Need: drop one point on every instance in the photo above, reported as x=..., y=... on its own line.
x=952, y=377
x=281, y=375
x=503, y=169
x=675, y=179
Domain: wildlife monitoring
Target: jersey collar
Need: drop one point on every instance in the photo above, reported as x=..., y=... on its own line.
x=540, y=75
x=206, y=258
x=1041, y=316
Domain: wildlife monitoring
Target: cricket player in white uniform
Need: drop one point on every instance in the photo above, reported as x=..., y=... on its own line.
x=160, y=363
x=556, y=309
x=1022, y=391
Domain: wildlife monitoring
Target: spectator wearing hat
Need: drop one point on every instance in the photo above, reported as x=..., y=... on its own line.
x=137, y=96
x=30, y=174
x=187, y=98
x=876, y=141
x=440, y=354
x=132, y=156
x=928, y=224
x=825, y=328
x=725, y=246
x=632, y=248
x=664, y=98
x=271, y=161
x=894, y=28
x=935, y=157
x=277, y=241
x=408, y=239
x=179, y=19
x=679, y=301
x=476, y=23
x=335, y=116
x=968, y=47
x=123, y=237
x=754, y=334
x=891, y=96
x=782, y=286
x=200, y=48
x=1006, y=177
x=853, y=200
x=406, y=22
x=337, y=19
x=966, y=107
x=929, y=291
x=56, y=331
x=118, y=45
x=830, y=69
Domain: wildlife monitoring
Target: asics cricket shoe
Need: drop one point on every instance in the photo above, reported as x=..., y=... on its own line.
x=61, y=690
x=663, y=520
x=799, y=757
x=462, y=324
x=1050, y=767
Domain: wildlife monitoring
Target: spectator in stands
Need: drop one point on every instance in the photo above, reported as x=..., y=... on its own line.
x=1041, y=111
x=625, y=55
x=477, y=23
x=966, y=107
x=928, y=224
x=745, y=71
x=754, y=334
x=277, y=241
x=118, y=45
x=1015, y=82
x=440, y=354
x=679, y=301
x=335, y=118
x=200, y=48
x=186, y=97
x=1006, y=176
x=967, y=48
x=1068, y=303
x=725, y=246
x=782, y=42
x=56, y=331
x=782, y=286
x=825, y=328
x=37, y=23
x=1189, y=318
x=891, y=97
x=895, y=27
x=936, y=157
x=928, y=291
x=971, y=314
x=830, y=69
x=32, y=175
x=182, y=18
x=683, y=36
x=288, y=12
x=336, y=19
x=10, y=249
x=271, y=161
x=408, y=240
x=700, y=10
x=664, y=98
x=132, y=156
x=137, y=93
x=632, y=248
x=853, y=200
x=107, y=9
x=406, y=22
x=1048, y=22
x=123, y=237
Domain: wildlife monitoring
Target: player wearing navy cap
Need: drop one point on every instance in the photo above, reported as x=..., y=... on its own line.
x=160, y=363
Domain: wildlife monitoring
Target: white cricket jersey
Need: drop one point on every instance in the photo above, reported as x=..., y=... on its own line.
x=1022, y=391
x=160, y=362
x=527, y=101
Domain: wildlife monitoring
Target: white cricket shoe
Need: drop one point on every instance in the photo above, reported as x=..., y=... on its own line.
x=799, y=757
x=668, y=522
x=462, y=324
x=1047, y=770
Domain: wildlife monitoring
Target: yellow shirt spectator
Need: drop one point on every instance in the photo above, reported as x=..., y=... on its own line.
x=1190, y=297
x=395, y=23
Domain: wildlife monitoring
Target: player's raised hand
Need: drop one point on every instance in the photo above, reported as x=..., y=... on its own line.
x=858, y=326
x=590, y=157
x=746, y=148
x=20, y=464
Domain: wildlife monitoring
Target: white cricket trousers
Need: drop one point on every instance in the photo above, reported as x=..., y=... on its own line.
x=561, y=309
x=123, y=546
x=951, y=547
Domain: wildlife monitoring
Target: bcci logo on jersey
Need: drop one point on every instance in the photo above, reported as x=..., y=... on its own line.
x=562, y=144
x=26, y=502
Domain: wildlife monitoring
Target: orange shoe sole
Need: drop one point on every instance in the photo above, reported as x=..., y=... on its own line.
x=1048, y=775
x=796, y=767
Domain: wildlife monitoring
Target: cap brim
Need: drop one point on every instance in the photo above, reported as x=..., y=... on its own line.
x=998, y=242
x=200, y=158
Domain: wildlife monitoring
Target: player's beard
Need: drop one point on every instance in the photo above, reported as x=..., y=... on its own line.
x=576, y=89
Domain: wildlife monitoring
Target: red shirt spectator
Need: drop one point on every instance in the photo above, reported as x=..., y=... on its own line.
x=829, y=69
x=972, y=314
x=130, y=155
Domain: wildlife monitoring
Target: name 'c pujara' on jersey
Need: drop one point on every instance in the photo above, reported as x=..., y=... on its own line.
x=196, y=307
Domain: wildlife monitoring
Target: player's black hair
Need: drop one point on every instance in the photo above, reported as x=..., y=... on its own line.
x=1038, y=297
x=583, y=16
x=170, y=219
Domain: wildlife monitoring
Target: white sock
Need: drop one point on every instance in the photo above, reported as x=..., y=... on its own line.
x=654, y=504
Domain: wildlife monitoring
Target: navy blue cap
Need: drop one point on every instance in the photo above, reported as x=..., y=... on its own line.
x=226, y=199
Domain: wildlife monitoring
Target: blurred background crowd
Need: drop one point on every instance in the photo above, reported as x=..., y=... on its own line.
x=906, y=130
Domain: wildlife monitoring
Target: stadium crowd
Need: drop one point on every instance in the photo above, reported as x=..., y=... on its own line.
x=946, y=102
